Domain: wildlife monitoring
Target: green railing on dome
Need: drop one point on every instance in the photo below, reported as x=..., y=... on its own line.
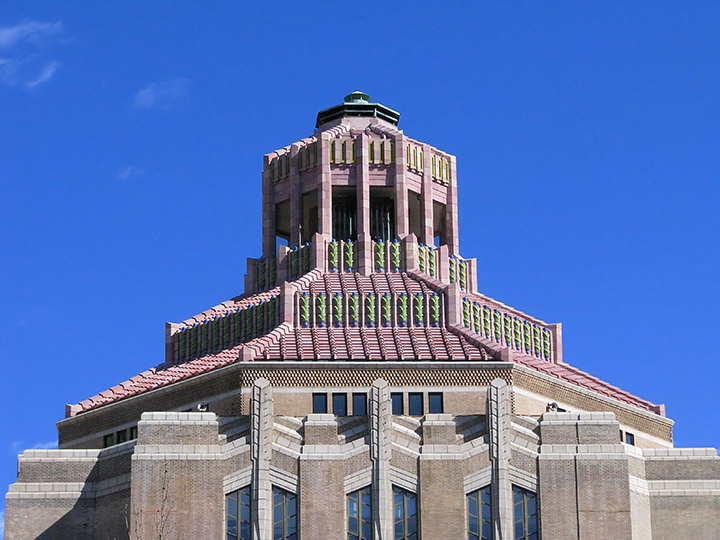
x=369, y=309
x=391, y=256
x=507, y=329
x=268, y=268
x=227, y=330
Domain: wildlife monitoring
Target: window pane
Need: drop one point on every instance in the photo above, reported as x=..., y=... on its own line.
x=359, y=404
x=435, y=402
x=238, y=514
x=525, y=502
x=340, y=404
x=416, y=404
x=397, y=402
x=319, y=403
x=479, y=511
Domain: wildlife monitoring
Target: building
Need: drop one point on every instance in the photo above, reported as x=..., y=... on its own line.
x=362, y=388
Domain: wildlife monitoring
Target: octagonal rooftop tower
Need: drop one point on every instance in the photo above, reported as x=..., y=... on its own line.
x=359, y=178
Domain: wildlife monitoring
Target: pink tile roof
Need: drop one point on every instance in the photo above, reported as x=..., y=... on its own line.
x=287, y=342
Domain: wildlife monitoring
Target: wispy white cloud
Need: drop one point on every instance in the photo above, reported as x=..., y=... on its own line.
x=162, y=95
x=44, y=445
x=45, y=75
x=36, y=32
x=25, y=61
x=128, y=171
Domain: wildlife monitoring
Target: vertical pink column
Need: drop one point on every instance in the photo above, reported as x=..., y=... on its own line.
x=363, y=204
x=268, y=210
x=451, y=211
x=295, y=198
x=428, y=238
x=324, y=187
x=402, y=216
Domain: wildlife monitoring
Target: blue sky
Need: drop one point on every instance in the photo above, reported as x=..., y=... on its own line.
x=131, y=143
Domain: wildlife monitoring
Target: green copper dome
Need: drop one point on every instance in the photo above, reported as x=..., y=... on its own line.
x=357, y=104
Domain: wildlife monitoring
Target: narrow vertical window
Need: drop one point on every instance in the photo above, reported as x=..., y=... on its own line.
x=372, y=152
x=279, y=168
x=287, y=164
x=272, y=170
x=284, y=515
x=343, y=158
x=353, y=152
x=433, y=166
x=409, y=163
x=405, y=516
x=133, y=433
x=108, y=440
x=415, y=404
x=415, y=153
x=421, y=165
x=340, y=404
x=332, y=151
x=359, y=404
x=237, y=506
x=319, y=403
x=630, y=438
x=382, y=152
x=300, y=160
x=392, y=151
x=526, y=516
x=447, y=170
x=359, y=512
x=397, y=402
x=121, y=436
x=479, y=514
x=435, y=403
x=307, y=156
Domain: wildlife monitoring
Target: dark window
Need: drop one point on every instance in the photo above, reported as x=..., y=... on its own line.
x=435, y=404
x=133, y=432
x=108, y=440
x=397, y=403
x=359, y=508
x=629, y=438
x=479, y=514
x=526, y=514
x=405, y=515
x=320, y=403
x=284, y=515
x=415, y=404
x=238, y=514
x=340, y=404
x=121, y=436
x=359, y=404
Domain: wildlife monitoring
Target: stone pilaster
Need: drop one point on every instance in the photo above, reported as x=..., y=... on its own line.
x=268, y=210
x=584, y=470
x=295, y=199
x=324, y=187
x=499, y=423
x=402, y=219
x=261, y=427
x=177, y=477
x=441, y=495
x=451, y=211
x=428, y=231
x=364, y=253
x=322, y=497
x=380, y=452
